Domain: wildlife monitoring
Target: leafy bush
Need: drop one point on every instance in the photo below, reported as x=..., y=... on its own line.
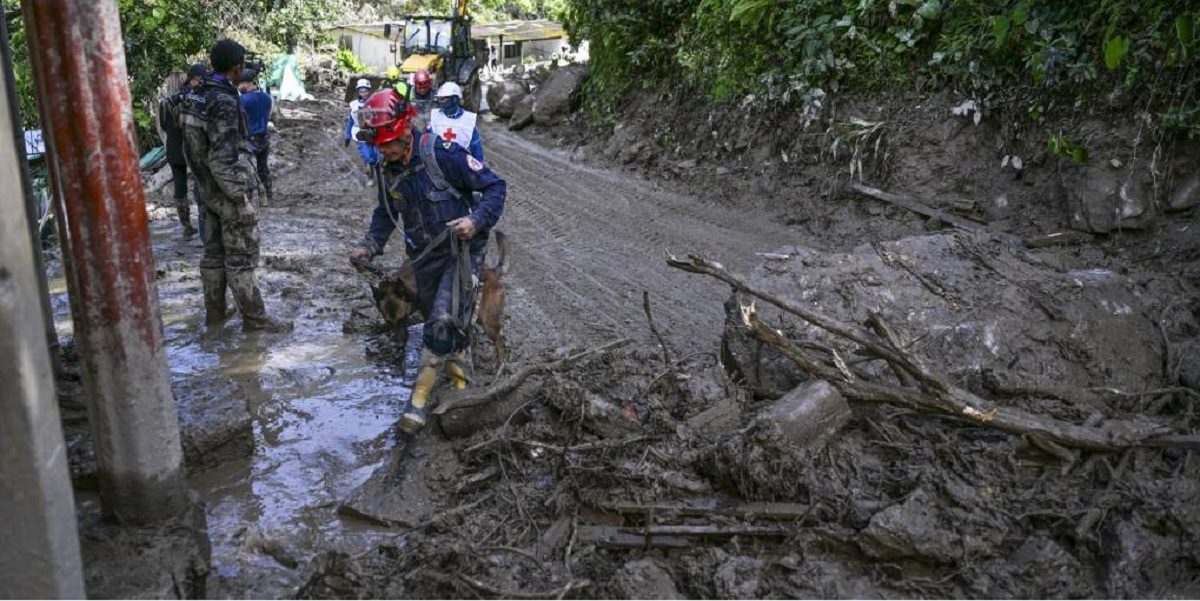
x=349, y=62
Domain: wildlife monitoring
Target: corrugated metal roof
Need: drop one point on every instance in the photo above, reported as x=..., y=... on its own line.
x=520, y=31
x=515, y=31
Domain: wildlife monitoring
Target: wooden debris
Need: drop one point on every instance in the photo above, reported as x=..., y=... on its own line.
x=935, y=394
x=928, y=211
x=710, y=507
x=474, y=398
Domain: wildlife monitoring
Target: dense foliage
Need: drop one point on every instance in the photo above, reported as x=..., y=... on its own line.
x=162, y=36
x=799, y=50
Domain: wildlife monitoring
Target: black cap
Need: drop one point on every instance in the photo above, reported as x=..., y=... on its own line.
x=225, y=55
x=197, y=70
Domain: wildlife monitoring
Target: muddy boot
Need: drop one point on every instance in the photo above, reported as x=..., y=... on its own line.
x=185, y=218
x=250, y=302
x=454, y=369
x=216, y=311
x=414, y=416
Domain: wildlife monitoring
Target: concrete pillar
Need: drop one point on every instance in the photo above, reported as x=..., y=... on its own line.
x=79, y=64
x=39, y=557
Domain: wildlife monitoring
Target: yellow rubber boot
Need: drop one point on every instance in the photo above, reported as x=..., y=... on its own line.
x=454, y=369
x=414, y=417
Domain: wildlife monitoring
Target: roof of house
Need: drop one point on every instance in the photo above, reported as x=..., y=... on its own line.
x=516, y=31
x=520, y=31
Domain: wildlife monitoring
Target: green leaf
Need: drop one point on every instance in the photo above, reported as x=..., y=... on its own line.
x=1020, y=14
x=1183, y=30
x=1000, y=27
x=930, y=10
x=1114, y=51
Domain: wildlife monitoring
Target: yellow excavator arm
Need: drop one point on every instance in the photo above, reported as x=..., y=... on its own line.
x=460, y=8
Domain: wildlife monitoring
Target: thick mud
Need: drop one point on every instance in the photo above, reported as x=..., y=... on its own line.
x=631, y=477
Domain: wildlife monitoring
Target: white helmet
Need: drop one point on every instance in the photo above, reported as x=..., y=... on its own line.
x=362, y=83
x=449, y=89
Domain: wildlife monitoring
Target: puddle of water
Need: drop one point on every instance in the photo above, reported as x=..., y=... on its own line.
x=323, y=413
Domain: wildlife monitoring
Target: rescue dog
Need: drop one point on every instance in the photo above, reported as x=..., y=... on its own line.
x=395, y=295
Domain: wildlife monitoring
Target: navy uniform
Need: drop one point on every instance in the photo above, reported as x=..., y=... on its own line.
x=423, y=198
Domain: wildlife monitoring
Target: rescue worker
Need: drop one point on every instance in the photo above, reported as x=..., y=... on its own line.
x=452, y=123
x=168, y=120
x=215, y=133
x=257, y=105
x=368, y=153
x=429, y=187
x=423, y=98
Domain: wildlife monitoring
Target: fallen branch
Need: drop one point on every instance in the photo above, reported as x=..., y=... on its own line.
x=937, y=394
x=579, y=448
x=928, y=211
x=473, y=398
x=557, y=593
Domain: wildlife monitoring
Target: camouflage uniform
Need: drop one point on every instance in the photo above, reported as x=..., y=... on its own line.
x=215, y=143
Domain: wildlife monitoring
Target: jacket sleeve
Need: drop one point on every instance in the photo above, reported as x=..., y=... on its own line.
x=476, y=145
x=465, y=172
x=380, y=230
x=224, y=142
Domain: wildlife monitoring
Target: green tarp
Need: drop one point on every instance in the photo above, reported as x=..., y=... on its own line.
x=285, y=81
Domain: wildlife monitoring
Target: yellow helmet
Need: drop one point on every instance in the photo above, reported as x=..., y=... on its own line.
x=393, y=73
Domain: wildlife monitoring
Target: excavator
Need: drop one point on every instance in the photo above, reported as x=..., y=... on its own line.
x=442, y=46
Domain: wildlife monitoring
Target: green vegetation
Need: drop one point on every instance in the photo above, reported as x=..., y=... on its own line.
x=162, y=36
x=349, y=62
x=1047, y=53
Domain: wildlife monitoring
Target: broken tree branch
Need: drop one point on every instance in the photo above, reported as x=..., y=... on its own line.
x=960, y=403
x=928, y=211
x=473, y=398
x=937, y=394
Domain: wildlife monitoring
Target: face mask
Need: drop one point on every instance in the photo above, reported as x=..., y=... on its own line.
x=449, y=105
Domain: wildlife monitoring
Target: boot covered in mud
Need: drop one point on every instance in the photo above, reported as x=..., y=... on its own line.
x=216, y=310
x=185, y=217
x=456, y=370
x=250, y=302
x=427, y=376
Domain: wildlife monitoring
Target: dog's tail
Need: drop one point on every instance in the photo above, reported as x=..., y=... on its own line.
x=502, y=251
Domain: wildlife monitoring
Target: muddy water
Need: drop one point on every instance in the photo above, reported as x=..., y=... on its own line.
x=323, y=405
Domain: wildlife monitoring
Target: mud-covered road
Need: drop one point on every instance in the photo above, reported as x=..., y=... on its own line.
x=588, y=241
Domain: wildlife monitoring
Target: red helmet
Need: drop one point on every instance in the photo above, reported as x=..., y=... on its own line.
x=384, y=117
x=423, y=82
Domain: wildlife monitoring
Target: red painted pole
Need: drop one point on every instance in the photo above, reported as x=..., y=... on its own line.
x=79, y=65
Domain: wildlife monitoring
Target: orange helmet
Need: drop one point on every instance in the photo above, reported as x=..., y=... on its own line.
x=423, y=82
x=384, y=117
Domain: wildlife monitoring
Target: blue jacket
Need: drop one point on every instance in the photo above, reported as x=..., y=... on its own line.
x=413, y=200
x=257, y=105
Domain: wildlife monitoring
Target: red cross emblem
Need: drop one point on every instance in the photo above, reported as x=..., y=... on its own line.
x=449, y=135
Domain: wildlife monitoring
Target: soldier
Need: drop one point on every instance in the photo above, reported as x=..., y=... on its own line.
x=215, y=142
x=430, y=187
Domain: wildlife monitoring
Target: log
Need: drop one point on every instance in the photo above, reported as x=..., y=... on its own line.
x=921, y=208
x=709, y=507
x=936, y=393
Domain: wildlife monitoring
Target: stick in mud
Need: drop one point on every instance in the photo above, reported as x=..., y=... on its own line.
x=474, y=398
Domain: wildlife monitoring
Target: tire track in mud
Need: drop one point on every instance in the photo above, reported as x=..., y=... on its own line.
x=585, y=242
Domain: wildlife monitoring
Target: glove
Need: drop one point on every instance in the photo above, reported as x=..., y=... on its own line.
x=359, y=257
x=347, y=143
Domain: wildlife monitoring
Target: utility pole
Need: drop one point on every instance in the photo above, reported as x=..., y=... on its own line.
x=40, y=555
x=79, y=65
